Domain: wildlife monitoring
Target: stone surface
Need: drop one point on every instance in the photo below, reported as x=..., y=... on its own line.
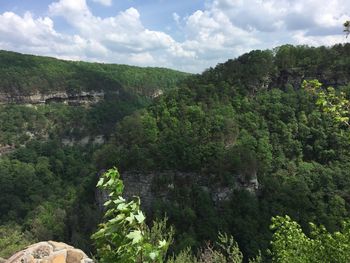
x=80, y=98
x=42, y=250
x=59, y=257
x=49, y=252
x=71, y=141
x=74, y=255
x=59, y=245
x=154, y=186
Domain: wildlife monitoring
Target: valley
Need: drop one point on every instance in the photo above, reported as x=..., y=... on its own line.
x=222, y=151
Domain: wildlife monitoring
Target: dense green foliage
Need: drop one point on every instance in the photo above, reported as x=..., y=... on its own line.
x=47, y=173
x=124, y=236
x=290, y=244
x=332, y=102
x=46, y=188
x=245, y=118
x=20, y=124
x=12, y=239
x=27, y=74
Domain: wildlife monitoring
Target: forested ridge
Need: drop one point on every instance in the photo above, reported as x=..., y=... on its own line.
x=246, y=118
x=47, y=172
x=28, y=74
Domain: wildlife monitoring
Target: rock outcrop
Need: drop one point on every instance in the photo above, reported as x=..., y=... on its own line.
x=94, y=140
x=154, y=186
x=50, y=252
x=60, y=97
x=6, y=149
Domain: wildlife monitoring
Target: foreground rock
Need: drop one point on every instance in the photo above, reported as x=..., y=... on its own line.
x=50, y=252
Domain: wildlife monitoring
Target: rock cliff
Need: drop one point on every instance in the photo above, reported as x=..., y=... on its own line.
x=62, y=97
x=160, y=185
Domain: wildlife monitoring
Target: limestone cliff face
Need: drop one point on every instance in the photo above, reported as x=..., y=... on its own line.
x=62, y=97
x=92, y=140
x=293, y=77
x=160, y=186
x=50, y=252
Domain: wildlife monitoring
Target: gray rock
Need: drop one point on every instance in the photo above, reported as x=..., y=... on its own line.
x=159, y=186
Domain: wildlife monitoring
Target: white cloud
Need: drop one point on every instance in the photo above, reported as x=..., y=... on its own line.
x=222, y=29
x=25, y=30
x=274, y=15
x=226, y=28
x=122, y=34
x=37, y=35
x=143, y=59
x=302, y=38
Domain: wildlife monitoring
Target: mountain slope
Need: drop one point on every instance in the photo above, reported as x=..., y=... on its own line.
x=114, y=91
x=54, y=115
x=27, y=74
x=245, y=119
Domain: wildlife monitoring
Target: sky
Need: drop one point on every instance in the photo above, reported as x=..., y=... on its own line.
x=187, y=35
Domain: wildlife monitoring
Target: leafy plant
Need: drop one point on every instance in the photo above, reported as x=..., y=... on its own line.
x=330, y=101
x=124, y=236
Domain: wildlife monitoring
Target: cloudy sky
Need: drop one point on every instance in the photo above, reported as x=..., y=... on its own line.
x=189, y=35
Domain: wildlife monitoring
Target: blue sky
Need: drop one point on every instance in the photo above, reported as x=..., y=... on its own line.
x=189, y=35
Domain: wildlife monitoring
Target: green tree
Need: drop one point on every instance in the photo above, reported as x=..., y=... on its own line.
x=12, y=239
x=47, y=222
x=331, y=102
x=290, y=244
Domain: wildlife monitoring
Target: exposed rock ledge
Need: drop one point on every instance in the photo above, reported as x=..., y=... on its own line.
x=50, y=252
x=62, y=97
x=154, y=186
x=6, y=149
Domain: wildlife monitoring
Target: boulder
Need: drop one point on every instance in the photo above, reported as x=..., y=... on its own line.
x=49, y=252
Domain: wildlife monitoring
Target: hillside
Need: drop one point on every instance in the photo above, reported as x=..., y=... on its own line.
x=283, y=67
x=54, y=115
x=244, y=123
x=113, y=91
x=26, y=75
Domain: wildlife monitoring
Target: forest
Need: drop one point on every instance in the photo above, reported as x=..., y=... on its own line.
x=247, y=119
x=27, y=74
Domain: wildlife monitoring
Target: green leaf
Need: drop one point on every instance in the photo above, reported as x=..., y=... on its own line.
x=140, y=217
x=154, y=255
x=121, y=206
x=110, y=182
x=135, y=235
x=130, y=218
x=100, y=182
x=162, y=243
x=107, y=203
